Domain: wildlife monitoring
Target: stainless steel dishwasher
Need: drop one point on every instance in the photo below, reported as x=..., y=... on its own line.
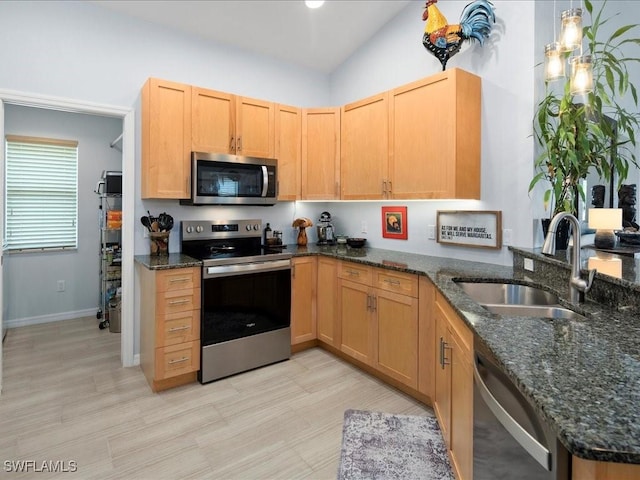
x=509, y=439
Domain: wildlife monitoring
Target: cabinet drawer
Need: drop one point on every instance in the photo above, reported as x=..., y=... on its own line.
x=403, y=283
x=177, y=359
x=179, y=327
x=355, y=272
x=177, y=279
x=175, y=301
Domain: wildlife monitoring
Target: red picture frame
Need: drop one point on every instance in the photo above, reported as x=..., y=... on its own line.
x=394, y=223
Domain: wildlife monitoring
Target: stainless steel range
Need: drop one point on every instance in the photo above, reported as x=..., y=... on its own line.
x=246, y=296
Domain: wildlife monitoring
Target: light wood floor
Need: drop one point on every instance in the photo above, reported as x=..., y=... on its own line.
x=65, y=397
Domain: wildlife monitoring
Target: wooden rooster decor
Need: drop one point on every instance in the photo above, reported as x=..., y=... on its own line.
x=444, y=40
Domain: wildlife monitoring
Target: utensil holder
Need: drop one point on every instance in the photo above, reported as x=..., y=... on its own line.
x=159, y=243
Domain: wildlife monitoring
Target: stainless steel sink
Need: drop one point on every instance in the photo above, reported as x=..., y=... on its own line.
x=511, y=299
x=545, y=311
x=507, y=294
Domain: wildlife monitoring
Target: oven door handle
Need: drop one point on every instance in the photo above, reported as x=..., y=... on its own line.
x=246, y=268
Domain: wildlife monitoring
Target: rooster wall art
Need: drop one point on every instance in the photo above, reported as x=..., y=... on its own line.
x=444, y=40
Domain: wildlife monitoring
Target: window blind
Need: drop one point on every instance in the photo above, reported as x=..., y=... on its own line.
x=41, y=194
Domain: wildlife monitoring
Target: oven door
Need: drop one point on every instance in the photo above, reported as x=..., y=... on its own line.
x=243, y=300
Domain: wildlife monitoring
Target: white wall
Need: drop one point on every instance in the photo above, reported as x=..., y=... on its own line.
x=31, y=278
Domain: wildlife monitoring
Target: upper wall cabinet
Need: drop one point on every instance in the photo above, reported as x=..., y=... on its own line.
x=166, y=139
x=288, y=151
x=364, y=149
x=434, y=137
x=320, y=153
x=226, y=123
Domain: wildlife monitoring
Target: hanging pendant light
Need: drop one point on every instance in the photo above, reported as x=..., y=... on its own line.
x=553, y=62
x=571, y=29
x=581, y=75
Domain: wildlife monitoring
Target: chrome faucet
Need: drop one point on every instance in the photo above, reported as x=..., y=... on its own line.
x=577, y=286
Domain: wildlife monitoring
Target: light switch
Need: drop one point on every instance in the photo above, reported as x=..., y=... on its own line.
x=507, y=233
x=431, y=232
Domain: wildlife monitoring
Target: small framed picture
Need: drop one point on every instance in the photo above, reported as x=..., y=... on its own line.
x=394, y=223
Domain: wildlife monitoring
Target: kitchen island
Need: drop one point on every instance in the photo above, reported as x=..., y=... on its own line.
x=582, y=377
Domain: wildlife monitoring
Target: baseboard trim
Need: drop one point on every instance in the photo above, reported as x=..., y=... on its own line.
x=53, y=317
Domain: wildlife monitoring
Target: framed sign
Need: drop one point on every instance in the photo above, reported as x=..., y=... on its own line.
x=470, y=228
x=394, y=222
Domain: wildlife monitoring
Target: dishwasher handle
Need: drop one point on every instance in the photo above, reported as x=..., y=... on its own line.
x=534, y=448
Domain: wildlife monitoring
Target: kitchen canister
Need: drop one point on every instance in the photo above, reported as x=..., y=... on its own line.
x=159, y=243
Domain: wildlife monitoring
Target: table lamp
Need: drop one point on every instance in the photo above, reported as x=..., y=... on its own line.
x=605, y=221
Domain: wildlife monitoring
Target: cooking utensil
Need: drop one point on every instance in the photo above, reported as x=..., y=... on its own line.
x=145, y=221
x=356, y=242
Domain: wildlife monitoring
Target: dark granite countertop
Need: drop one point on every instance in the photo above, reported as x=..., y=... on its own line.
x=582, y=377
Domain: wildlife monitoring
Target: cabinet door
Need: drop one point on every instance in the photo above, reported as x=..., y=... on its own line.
x=364, y=148
x=320, y=154
x=328, y=314
x=396, y=352
x=288, y=151
x=461, y=410
x=442, y=397
x=255, y=128
x=303, y=300
x=357, y=323
x=434, y=138
x=166, y=139
x=213, y=121
x=427, y=359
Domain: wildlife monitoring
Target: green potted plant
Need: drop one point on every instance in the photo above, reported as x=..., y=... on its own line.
x=576, y=135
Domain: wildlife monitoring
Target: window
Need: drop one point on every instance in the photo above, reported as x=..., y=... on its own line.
x=41, y=194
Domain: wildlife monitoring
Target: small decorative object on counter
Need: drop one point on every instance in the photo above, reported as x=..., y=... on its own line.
x=301, y=224
x=268, y=235
x=159, y=243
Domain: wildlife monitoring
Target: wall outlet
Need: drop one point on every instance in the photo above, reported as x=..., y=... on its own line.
x=363, y=227
x=528, y=264
x=431, y=232
x=507, y=233
x=61, y=285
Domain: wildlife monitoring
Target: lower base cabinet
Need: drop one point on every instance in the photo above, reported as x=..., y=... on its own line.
x=327, y=314
x=303, y=299
x=591, y=470
x=453, y=402
x=169, y=325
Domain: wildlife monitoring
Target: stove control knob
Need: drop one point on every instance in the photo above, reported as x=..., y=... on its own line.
x=189, y=229
x=248, y=227
x=256, y=227
x=199, y=229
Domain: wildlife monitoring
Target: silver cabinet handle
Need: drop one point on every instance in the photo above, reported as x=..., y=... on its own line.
x=239, y=144
x=392, y=282
x=179, y=360
x=443, y=358
x=177, y=329
x=374, y=301
x=534, y=448
x=384, y=188
x=232, y=144
x=390, y=189
x=353, y=273
x=179, y=302
x=368, y=302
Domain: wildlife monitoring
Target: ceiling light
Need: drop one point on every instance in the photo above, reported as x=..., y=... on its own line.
x=313, y=3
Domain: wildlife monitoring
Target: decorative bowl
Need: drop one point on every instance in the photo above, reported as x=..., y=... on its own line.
x=629, y=238
x=356, y=242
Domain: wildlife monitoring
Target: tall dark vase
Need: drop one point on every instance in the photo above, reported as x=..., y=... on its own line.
x=562, y=232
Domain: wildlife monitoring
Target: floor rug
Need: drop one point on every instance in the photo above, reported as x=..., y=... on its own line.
x=384, y=446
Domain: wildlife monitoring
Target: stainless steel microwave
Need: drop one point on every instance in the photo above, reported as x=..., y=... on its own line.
x=222, y=179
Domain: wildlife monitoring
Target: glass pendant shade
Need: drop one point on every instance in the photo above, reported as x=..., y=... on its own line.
x=571, y=29
x=553, y=62
x=581, y=75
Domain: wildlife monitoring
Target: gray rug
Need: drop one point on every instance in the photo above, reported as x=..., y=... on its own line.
x=384, y=446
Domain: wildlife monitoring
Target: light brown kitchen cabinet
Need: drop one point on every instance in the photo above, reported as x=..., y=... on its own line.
x=379, y=315
x=328, y=316
x=169, y=325
x=320, y=154
x=453, y=402
x=592, y=470
x=364, y=148
x=227, y=123
x=166, y=139
x=288, y=145
x=434, y=137
x=426, y=334
x=303, y=299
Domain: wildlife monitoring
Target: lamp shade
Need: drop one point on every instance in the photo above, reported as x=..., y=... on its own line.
x=554, y=62
x=605, y=218
x=581, y=75
x=571, y=29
